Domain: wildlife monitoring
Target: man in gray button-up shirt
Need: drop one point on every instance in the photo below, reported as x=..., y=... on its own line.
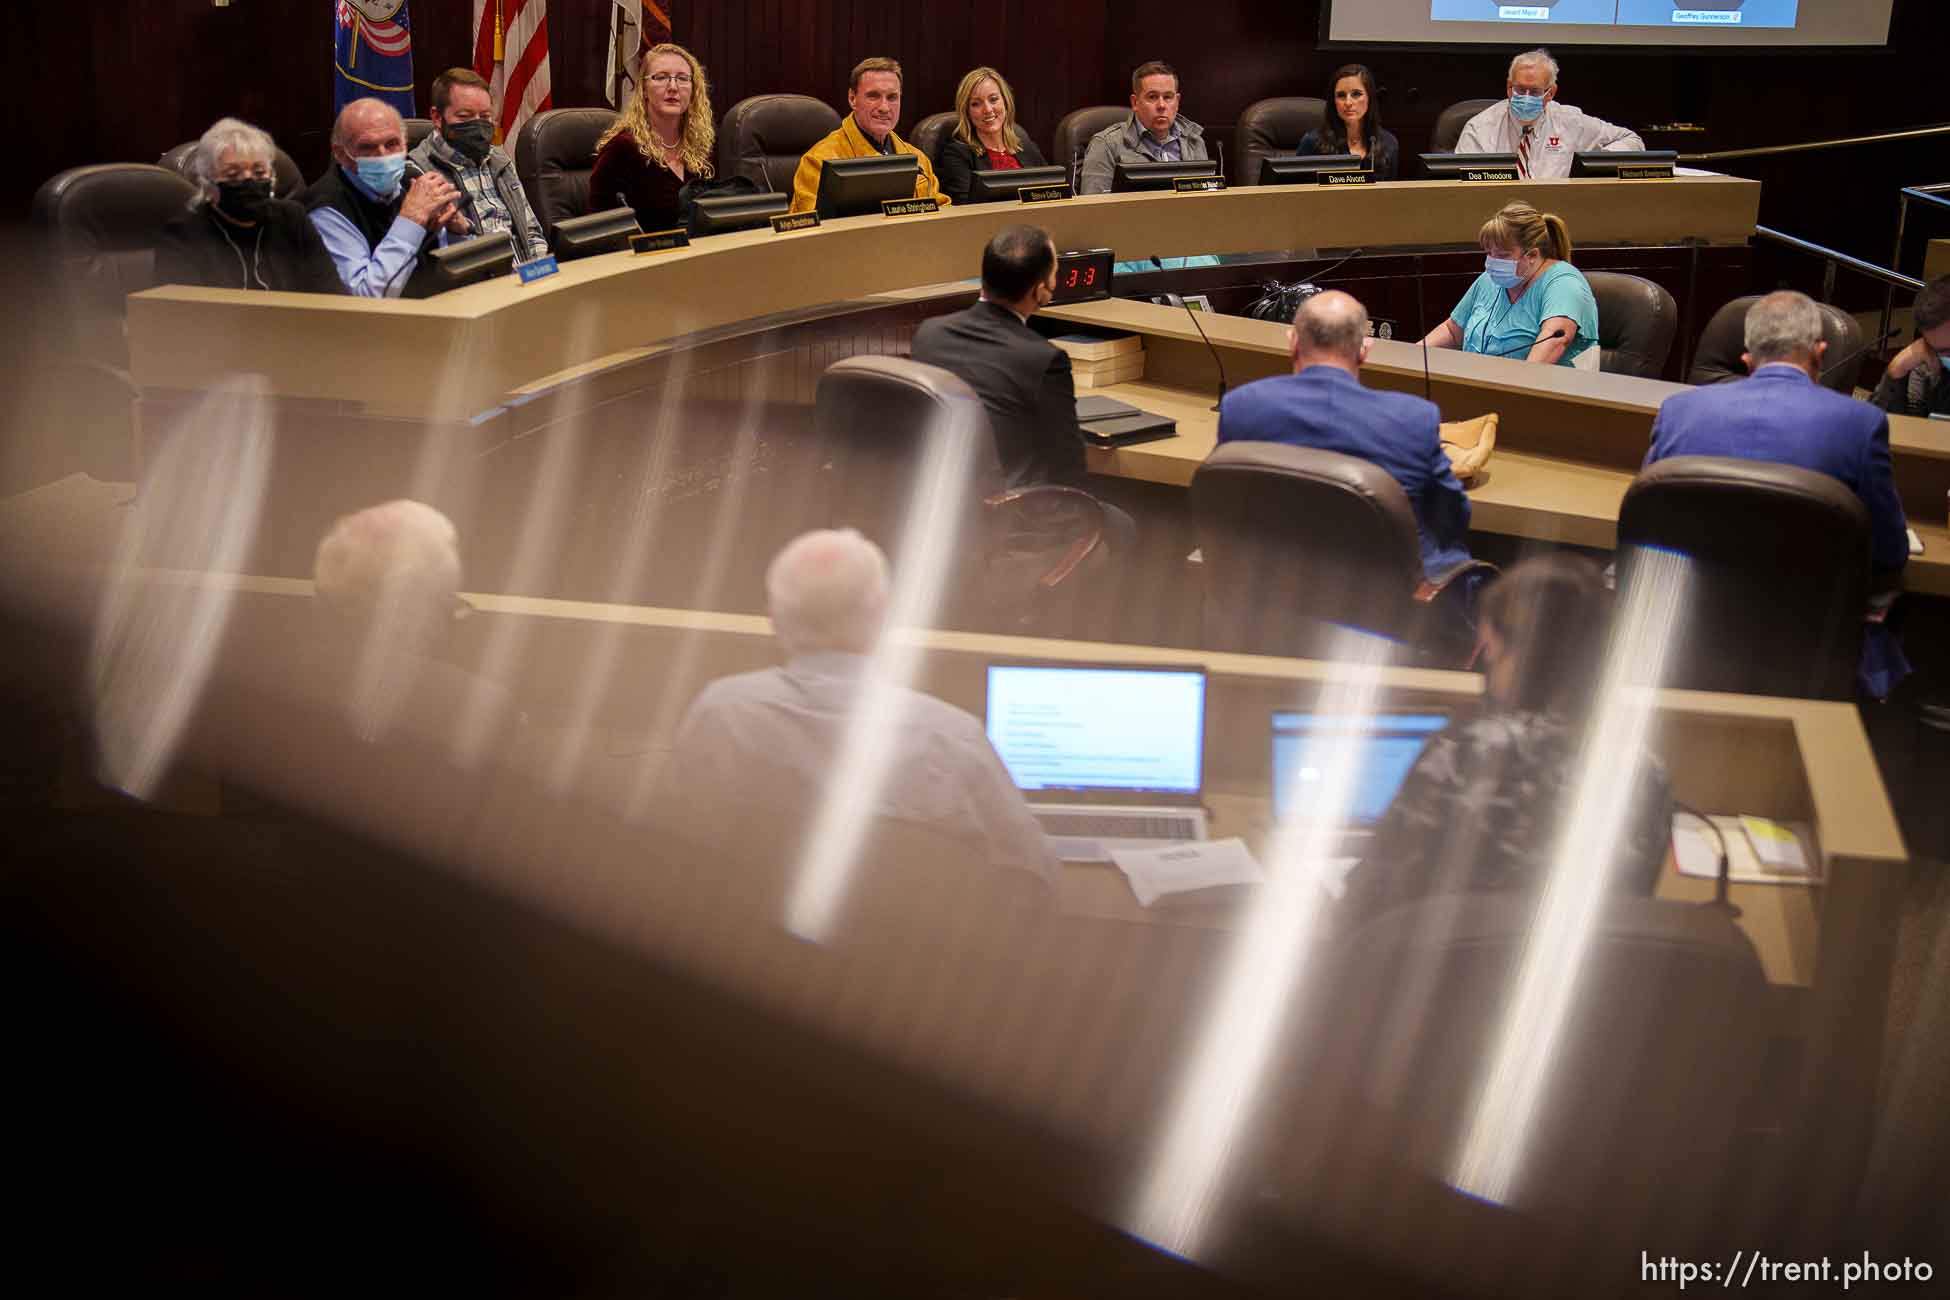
x=766, y=744
x=1154, y=132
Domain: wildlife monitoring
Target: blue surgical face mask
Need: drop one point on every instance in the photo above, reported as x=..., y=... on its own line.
x=1526, y=108
x=381, y=176
x=1503, y=272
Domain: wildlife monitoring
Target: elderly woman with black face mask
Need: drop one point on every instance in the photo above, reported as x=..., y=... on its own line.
x=236, y=235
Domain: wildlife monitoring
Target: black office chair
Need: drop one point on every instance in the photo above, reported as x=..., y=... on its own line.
x=930, y=133
x=1449, y=123
x=1770, y=566
x=1298, y=544
x=1025, y=555
x=1660, y=1064
x=287, y=181
x=1074, y=131
x=1717, y=359
x=1271, y=128
x=99, y=226
x=764, y=137
x=1636, y=323
x=554, y=153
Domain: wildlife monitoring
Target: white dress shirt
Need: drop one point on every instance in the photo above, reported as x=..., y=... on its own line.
x=1561, y=132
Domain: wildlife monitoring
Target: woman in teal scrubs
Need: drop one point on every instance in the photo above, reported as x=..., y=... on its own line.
x=1530, y=302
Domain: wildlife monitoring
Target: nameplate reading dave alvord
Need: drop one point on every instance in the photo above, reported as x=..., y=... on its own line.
x=660, y=241
x=1345, y=178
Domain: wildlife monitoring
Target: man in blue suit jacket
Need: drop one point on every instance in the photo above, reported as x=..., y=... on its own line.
x=1780, y=413
x=1322, y=404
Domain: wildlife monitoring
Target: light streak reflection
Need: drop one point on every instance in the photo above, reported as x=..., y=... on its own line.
x=923, y=558
x=156, y=644
x=1513, y=1087
x=1263, y=968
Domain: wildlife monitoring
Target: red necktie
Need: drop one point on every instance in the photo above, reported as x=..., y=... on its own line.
x=1523, y=154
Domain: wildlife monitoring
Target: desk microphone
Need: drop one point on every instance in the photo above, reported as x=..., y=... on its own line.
x=1721, y=876
x=763, y=170
x=1174, y=300
x=1557, y=333
x=1318, y=276
x=1222, y=157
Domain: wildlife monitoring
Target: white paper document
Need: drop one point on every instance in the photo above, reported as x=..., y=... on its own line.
x=1789, y=858
x=1183, y=868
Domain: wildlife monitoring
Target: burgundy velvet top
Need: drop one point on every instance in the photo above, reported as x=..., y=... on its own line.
x=650, y=188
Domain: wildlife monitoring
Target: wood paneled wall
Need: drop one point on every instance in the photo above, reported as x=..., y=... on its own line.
x=125, y=82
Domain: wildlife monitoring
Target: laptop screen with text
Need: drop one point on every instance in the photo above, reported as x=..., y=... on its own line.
x=1121, y=729
x=1380, y=748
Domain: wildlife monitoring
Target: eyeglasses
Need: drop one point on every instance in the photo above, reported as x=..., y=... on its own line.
x=671, y=79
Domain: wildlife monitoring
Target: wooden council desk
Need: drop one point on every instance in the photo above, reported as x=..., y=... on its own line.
x=460, y=354
x=1568, y=445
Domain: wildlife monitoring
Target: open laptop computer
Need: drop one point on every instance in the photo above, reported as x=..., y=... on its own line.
x=1382, y=747
x=1108, y=757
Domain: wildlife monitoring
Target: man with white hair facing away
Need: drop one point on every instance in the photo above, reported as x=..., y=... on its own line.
x=237, y=234
x=387, y=582
x=1781, y=413
x=769, y=741
x=1530, y=123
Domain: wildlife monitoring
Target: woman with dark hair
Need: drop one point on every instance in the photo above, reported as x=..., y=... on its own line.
x=1484, y=808
x=1352, y=124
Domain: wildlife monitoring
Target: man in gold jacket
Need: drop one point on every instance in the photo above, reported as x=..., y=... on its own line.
x=874, y=96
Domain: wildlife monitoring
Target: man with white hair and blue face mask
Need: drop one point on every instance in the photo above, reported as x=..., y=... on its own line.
x=1530, y=123
x=373, y=223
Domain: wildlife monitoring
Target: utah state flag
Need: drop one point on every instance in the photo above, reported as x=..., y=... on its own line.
x=373, y=54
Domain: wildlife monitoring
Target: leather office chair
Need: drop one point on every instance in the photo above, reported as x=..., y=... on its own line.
x=1636, y=323
x=1659, y=1066
x=1023, y=555
x=1743, y=527
x=287, y=181
x=930, y=132
x=554, y=153
x=764, y=137
x=1299, y=543
x=1449, y=123
x=1271, y=128
x=417, y=129
x=99, y=226
x=1074, y=131
x=1717, y=358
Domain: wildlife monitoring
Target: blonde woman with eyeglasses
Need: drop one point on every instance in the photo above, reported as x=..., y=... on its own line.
x=663, y=139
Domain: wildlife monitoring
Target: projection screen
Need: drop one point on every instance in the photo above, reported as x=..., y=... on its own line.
x=1813, y=23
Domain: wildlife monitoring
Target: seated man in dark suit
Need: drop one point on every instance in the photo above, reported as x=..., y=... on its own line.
x=1323, y=405
x=1780, y=413
x=1022, y=378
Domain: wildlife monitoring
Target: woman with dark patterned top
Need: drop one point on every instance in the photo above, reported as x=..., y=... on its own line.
x=1486, y=805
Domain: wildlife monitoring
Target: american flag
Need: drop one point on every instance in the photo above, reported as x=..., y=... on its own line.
x=511, y=51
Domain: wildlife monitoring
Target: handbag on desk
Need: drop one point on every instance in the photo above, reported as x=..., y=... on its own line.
x=1468, y=444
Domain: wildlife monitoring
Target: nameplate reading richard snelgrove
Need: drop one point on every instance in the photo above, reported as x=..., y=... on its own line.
x=907, y=207
x=1654, y=173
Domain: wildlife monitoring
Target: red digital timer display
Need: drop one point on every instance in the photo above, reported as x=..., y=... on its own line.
x=1083, y=276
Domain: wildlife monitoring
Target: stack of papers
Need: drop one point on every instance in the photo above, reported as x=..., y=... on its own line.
x=1759, y=851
